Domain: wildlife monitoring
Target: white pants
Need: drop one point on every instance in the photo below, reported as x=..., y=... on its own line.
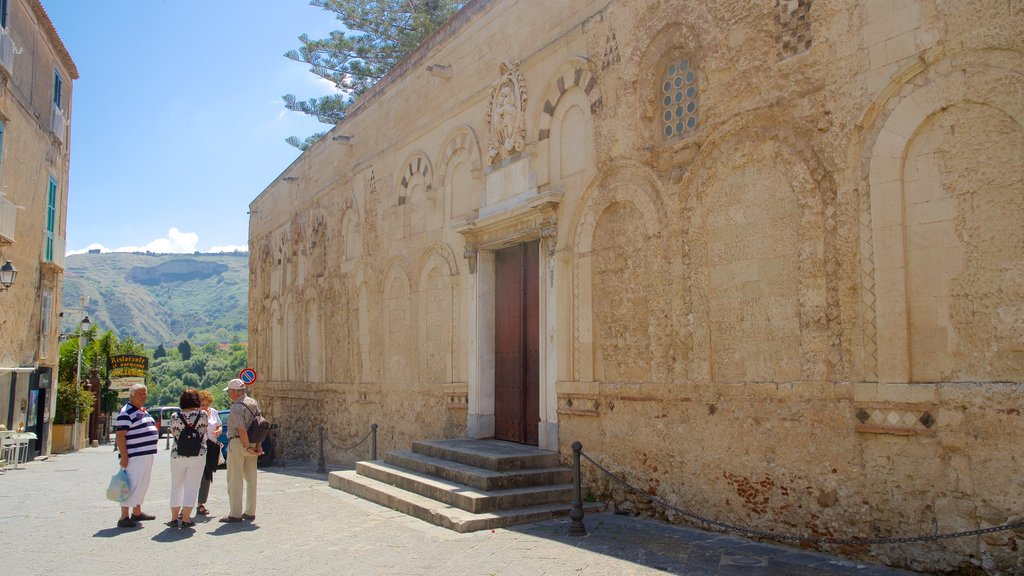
x=186, y=474
x=139, y=469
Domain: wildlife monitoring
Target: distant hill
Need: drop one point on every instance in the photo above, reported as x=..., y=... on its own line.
x=161, y=298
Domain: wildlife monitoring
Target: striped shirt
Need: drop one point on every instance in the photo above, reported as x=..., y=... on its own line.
x=142, y=433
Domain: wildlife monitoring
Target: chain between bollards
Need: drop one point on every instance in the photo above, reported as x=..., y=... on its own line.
x=576, y=515
x=321, y=464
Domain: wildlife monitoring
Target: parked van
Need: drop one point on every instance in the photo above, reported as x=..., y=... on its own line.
x=162, y=416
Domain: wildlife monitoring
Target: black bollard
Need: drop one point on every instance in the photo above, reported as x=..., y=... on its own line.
x=373, y=441
x=321, y=465
x=576, y=515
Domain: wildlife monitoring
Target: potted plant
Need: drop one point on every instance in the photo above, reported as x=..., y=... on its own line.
x=69, y=400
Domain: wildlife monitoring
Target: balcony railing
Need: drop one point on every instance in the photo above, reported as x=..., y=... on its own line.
x=6, y=54
x=53, y=251
x=57, y=121
x=8, y=216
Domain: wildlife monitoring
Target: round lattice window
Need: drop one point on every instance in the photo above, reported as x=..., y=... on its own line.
x=679, y=100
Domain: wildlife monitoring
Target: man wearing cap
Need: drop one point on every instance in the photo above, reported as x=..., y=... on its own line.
x=241, y=455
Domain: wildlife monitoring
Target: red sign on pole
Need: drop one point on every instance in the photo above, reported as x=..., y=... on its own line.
x=247, y=375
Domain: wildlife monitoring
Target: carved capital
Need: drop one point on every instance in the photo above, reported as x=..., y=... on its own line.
x=470, y=255
x=549, y=238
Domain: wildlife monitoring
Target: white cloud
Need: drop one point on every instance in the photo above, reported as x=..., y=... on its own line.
x=99, y=247
x=229, y=248
x=176, y=242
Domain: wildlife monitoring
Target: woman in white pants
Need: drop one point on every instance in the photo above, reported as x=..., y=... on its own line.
x=188, y=457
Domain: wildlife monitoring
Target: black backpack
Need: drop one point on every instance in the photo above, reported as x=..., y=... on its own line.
x=258, y=428
x=190, y=440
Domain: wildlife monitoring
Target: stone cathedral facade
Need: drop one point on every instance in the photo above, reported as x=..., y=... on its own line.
x=765, y=259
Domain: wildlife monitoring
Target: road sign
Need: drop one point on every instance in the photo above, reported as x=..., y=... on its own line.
x=247, y=375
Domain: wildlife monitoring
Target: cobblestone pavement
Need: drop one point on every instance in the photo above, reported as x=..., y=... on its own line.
x=56, y=520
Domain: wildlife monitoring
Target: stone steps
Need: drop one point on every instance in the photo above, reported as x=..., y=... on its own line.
x=479, y=478
x=465, y=485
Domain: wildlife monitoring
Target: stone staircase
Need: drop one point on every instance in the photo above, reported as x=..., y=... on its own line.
x=464, y=484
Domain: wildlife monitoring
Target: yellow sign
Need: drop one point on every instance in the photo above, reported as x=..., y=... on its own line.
x=128, y=366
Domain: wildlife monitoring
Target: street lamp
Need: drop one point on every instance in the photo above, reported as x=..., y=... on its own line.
x=83, y=328
x=7, y=275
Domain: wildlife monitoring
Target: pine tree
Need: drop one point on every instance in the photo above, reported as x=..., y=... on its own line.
x=185, y=349
x=385, y=31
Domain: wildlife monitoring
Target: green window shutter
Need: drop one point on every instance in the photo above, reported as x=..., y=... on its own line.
x=51, y=218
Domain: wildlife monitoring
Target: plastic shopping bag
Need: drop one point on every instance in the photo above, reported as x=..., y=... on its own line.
x=119, y=490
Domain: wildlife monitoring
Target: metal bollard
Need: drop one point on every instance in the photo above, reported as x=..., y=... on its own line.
x=576, y=515
x=321, y=465
x=373, y=441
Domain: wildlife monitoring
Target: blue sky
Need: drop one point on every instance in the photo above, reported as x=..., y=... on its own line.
x=177, y=121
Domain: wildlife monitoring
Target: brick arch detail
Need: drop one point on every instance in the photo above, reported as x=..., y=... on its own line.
x=576, y=73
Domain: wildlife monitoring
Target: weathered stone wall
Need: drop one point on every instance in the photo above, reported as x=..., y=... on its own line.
x=781, y=258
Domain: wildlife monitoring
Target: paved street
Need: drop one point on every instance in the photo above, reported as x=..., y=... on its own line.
x=56, y=521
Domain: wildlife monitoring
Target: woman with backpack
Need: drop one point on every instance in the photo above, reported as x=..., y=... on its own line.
x=188, y=457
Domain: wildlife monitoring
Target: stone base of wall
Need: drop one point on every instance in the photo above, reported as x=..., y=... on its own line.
x=819, y=460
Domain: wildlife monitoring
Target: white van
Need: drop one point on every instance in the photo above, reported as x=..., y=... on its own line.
x=162, y=417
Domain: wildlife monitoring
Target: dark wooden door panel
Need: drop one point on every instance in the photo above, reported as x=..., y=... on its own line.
x=508, y=385
x=517, y=344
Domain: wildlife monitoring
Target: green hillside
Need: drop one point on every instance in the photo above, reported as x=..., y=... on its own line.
x=161, y=298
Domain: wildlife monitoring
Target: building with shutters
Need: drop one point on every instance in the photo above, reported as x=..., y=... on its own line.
x=36, y=73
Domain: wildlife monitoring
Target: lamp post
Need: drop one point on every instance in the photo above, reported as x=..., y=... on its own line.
x=8, y=273
x=83, y=327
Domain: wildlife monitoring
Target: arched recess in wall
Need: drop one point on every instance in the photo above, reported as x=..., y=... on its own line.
x=364, y=335
x=566, y=134
x=316, y=239
x=314, y=341
x=459, y=171
x=399, y=346
x=289, y=340
x=264, y=255
x=351, y=234
x=438, y=326
x=759, y=258
x=672, y=41
x=275, y=343
x=423, y=206
x=942, y=241
x=619, y=303
x=260, y=298
x=339, y=330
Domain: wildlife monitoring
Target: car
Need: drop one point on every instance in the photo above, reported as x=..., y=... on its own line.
x=223, y=438
x=268, y=444
x=162, y=417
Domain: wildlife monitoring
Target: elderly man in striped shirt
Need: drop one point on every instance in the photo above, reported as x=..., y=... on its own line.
x=137, y=435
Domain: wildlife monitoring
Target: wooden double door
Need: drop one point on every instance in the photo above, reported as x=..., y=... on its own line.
x=517, y=343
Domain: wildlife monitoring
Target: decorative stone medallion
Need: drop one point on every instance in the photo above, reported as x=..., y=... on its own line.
x=506, y=115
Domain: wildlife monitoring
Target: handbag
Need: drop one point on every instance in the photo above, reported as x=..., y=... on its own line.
x=119, y=489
